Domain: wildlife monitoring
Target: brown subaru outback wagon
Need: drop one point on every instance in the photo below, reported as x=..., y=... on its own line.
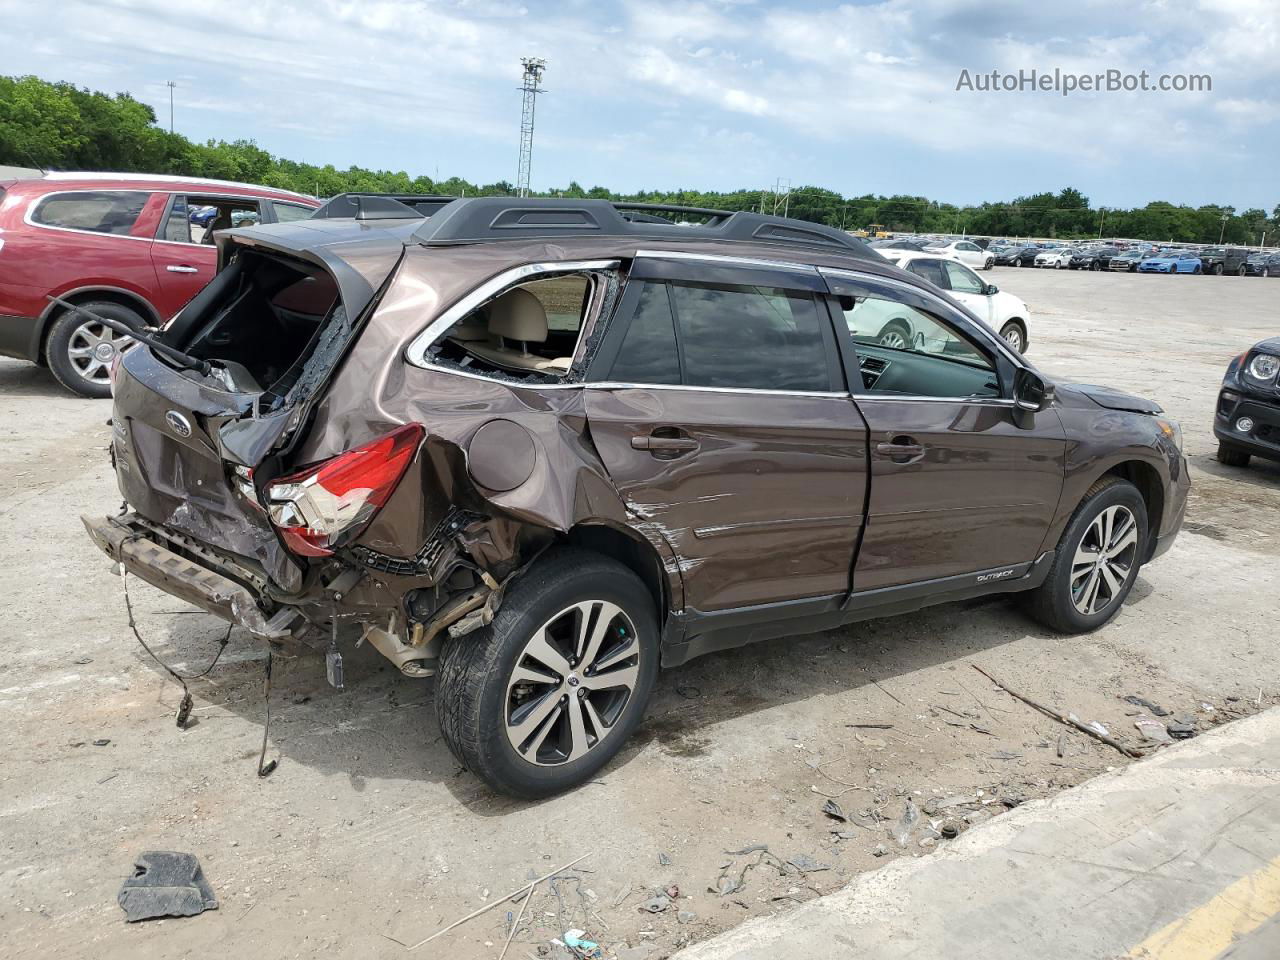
x=538, y=448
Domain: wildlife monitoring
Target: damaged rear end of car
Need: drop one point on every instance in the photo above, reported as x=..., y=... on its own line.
x=314, y=488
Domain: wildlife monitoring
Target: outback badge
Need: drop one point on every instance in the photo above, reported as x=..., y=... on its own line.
x=178, y=423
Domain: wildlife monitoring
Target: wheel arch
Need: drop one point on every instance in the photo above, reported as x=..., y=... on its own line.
x=79, y=295
x=633, y=551
x=1150, y=485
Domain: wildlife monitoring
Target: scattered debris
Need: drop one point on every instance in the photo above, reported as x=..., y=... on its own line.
x=1069, y=720
x=165, y=884
x=1182, y=730
x=576, y=941
x=754, y=848
x=1153, y=730
x=1155, y=708
x=101, y=743
x=490, y=905
x=664, y=860
x=83, y=660
x=686, y=916
x=511, y=932
x=870, y=726
x=907, y=825
x=880, y=851
x=832, y=810
x=950, y=831
x=658, y=903
x=806, y=864
x=1004, y=755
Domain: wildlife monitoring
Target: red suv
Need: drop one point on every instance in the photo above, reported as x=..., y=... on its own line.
x=132, y=247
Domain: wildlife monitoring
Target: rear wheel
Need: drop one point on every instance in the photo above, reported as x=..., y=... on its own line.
x=1096, y=562
x=1230, y=456
x=991, y=262
x=546, y=695
x=80, y=349
x=1241, y=272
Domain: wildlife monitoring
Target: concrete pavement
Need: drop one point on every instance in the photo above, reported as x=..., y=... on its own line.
x=1176, y=857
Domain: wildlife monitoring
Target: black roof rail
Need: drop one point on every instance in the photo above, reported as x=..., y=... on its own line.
x=673, y=208
x=381, y=206
x=477, y=219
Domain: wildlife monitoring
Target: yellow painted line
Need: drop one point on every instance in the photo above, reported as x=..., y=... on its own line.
x=1212, y=927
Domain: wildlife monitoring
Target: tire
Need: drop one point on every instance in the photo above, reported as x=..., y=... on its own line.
x=1095, y=265
x=1017, y=263
x=1216, y=269
x=478, y=694
x=80, y=350
x=1071, y=598
x=989, y=264
x=1012, y=330
x=1230, y=456
x=1242, y=272
x=896, y=335
x=1198, y=270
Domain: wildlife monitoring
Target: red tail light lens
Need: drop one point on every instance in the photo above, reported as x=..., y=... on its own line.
x=320, y=509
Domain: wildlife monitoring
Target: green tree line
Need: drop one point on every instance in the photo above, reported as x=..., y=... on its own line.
x=63, y=127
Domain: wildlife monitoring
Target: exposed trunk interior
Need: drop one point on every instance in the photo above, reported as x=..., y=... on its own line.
x=261, y=318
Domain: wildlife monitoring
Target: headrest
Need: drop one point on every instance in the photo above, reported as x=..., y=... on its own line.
x=518, y=315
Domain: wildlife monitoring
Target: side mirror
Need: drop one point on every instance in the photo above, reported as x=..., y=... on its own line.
x=991, y=290
x=1031, y=392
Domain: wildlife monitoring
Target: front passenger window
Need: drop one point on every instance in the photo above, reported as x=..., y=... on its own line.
x=904, y=350
x=964, y=280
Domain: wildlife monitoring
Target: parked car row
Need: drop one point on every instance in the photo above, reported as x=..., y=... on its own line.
x=1144, y=258
x=134, y=248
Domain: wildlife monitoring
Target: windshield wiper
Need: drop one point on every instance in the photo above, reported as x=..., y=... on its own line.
x=178, y=356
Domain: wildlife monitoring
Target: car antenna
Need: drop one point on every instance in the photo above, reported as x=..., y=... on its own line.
x=194, y=363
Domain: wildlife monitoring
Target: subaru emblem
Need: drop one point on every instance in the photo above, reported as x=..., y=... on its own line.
x=178, y=423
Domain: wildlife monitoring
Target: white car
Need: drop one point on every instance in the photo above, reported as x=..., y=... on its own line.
x=967, y=252
x=1002, y=312
x=1059, y=258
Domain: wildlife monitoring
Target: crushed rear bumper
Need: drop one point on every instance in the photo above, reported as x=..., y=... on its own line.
x=127, y=541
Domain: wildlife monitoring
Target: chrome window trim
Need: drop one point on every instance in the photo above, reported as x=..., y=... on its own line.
x=752, y=391
x=39, y=201
x=416, y=352
x=736, y=261
x=981, y=328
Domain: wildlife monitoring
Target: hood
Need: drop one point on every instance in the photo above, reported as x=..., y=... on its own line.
x=1106, y=397
x=1270, y=345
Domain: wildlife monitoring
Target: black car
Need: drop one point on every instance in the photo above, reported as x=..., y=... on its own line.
x=1220, y=260
x=1097, y=259
x=899, y=244
x=1263, y=265
x=1023, y=255
x=1248, y=416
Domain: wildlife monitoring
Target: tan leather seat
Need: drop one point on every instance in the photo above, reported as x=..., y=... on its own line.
x=516, y=319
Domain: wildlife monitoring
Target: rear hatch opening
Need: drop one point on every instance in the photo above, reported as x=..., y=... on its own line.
x=259, y=321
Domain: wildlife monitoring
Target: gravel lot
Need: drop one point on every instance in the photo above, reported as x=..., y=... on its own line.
x=368, y=830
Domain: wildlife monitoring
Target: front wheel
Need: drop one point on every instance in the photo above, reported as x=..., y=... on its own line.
x=1096, y=561
x=989, y=264
x=896, y=334
x=547, y=694
x=1217, y=269
x=1230, y=456
x=1095, y=265
x=1012, y=334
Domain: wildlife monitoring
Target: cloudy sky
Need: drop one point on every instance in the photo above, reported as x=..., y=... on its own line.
x=859, y=97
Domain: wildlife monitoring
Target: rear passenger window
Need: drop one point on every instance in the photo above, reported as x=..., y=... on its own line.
x=98, y=211
x=288, y=212
x=648, y=353
x=931, y=270
x=751, y=337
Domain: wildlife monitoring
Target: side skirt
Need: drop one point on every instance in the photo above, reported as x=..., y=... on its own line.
x=693, y=633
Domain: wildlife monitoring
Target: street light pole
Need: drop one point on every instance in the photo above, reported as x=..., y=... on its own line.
x=170, y=84
x=1223, y=231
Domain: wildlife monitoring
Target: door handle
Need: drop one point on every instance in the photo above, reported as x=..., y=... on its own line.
x=664, y=444
x=174, y=268
x=901, y=450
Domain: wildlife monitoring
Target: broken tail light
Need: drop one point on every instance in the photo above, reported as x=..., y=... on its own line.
x=319, y=509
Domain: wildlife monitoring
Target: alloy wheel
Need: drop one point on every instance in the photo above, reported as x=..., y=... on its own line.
x=571, y=683
x=1104, y=559
x=1013, y=337
x=894, y=340
x=91, y=349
